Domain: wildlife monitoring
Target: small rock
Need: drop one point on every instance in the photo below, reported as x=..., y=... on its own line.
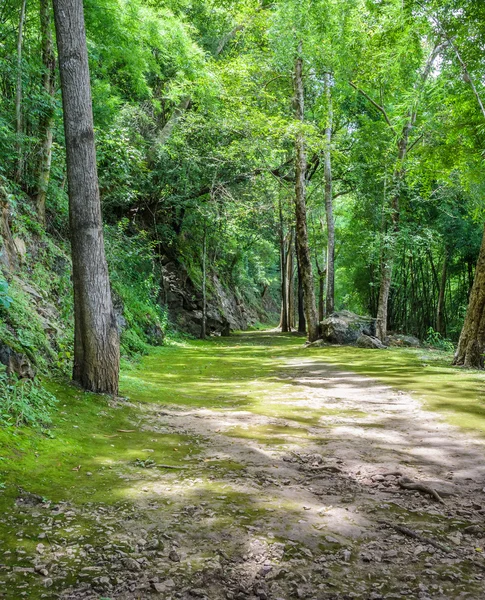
x=47, y=582
x=173, y=556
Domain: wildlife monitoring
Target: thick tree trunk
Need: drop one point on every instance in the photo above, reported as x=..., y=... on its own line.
x=96, y=344
x=440, y=311
x=302, y=246
x=387, y=264
x=471, y=346
x=203, y=329
x=330, y=283
x=18, y=93
x=46, y=125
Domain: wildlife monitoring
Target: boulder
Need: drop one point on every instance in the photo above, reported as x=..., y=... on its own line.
x=369, y=341
x=345, y=327
x=16, y=363
x=401, y=340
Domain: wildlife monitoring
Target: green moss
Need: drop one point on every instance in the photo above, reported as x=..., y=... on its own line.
x=428, y=374
x=86, y=434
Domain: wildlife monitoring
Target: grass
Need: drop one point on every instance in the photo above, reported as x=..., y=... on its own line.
x=244, y=373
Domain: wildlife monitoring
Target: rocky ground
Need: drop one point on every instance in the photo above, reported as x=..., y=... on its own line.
x=313, y=497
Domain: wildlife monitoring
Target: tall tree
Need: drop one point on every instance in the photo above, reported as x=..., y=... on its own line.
x=302, y=247
x=393, y=204
x=96, y=341
x=18, y=91
x=46, y=124
x=330, y=274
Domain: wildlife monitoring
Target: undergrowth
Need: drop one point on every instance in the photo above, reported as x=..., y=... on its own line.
x=24, y=402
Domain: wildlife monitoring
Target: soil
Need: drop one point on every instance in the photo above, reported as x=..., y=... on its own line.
x=296, y=496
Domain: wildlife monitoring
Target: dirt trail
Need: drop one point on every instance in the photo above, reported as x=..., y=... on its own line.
x=279, y=505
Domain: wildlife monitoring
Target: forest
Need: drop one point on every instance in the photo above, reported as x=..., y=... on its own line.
x=242, y=299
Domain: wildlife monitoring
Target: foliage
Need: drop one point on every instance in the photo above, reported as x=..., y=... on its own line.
x=24, y=402
x=5, y=299
x=436, y=340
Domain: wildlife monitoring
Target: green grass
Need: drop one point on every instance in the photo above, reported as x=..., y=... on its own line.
x=244, y=373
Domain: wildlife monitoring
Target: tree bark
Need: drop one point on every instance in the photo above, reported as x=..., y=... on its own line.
x=322, y=273
x=96, y=341
x=18, y=92
x=440, y=311
x=301, y=303
x=387, y=259
x=203, y=329
x=46, y=125
x=302, y=246
x=284, y=295
x=471, y=346
x=330, y=276
x=290, y=284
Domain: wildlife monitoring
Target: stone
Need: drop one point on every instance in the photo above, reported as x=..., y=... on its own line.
x=21, y=249
x=16, y=362
x=369, y=341
x=131, y=564
x=345, y=327
x=401, y=340
x=173, y=556
x=48, y=582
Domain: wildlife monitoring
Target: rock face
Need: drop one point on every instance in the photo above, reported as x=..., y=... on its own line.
x=345, y=327
x=225, y=311
x=404, y=340
x=16, y=363
x=369, y=341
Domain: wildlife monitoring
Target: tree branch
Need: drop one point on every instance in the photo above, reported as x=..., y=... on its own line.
x=380, y=108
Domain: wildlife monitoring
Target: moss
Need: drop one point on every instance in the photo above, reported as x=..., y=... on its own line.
x=86, y=436
x=428, y=374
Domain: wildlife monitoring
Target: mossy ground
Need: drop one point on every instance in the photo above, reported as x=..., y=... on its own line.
x=88, y=456
x=239, y=373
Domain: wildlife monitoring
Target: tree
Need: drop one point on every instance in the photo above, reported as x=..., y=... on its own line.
x=46, y=124
x=302, y=247
x=96, y=341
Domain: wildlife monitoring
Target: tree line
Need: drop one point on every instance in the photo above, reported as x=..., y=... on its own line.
x=338, y=141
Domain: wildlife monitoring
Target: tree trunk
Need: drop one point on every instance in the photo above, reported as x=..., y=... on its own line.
x=96, y=341
x=203, y=329
x=284, y=294
x=46, y=125
x=471, y=345
x=18, y=93
x=302, y=246
x=387, y=260
x=330, y=283
x=290, y=283
x=322, y=273
x=301, y=303
x=440, y=311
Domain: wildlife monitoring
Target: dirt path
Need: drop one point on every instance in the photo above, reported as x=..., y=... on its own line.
x=296, y=496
